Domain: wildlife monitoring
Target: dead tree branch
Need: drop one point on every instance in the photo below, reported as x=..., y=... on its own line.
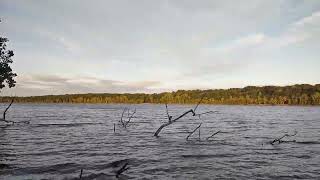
x=80, y=176
x=121, y=120
x=213, y=135
x=187, y=138
x=122, y=169
x=8, y=121
x=170, y=120
x=4, y=113
x=129, y=117
x=279, y=139
x=169, y=117
x=198, y=103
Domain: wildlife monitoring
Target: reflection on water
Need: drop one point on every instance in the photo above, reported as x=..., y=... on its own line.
x=62, y=139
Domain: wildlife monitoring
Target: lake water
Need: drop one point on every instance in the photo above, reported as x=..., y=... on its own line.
x=62, y=139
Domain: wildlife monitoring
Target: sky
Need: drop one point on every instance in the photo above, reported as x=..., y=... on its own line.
x=117, y=46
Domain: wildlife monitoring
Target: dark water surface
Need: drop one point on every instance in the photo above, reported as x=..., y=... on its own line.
x=64, y=138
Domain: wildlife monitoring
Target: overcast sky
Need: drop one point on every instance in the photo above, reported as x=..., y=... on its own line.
x=152, y=46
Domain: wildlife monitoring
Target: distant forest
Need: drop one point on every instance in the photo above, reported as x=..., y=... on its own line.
x=302, y=94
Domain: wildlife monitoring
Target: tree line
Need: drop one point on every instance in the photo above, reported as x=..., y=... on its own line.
x=300, y=94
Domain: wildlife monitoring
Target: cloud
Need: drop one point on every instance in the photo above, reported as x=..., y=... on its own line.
x=313, y=19
x=33, y=85
x=249, y=41
x=60, y=39
x=148, y=45
x=296, y=32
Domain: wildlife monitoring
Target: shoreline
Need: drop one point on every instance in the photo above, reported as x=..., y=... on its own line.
x=207, y=104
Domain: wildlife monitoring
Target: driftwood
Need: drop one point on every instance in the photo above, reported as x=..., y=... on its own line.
x=8, y=121
x=187, y=138
x=170, y=120
x=129, y=117
x=279, y=140
x=122, y=169
x=213, y=135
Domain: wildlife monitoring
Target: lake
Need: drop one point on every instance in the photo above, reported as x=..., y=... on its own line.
x=62, y=139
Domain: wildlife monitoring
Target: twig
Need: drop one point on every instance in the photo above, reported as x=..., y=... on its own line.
x=169, y=117
x=121, y=120
x=199, y=133
x=187, y=138
x=122, y=169
x=198, y=103
x=129, y=117
x=5, y=111
x=213, y=135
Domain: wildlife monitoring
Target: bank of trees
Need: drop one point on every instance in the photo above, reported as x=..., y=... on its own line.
x=302, y=94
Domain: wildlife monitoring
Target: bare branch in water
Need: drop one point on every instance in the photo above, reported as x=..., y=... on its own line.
x=172, y=121
x=8, y=121
x=81, y=174
x=198, y=103
x=129, y=117
x=192, y=111
x=5, y=111
x=187, y=138
x=121, y=120
x=122, y=169
x=286, y=135
x=213, y=135
x=169, y=117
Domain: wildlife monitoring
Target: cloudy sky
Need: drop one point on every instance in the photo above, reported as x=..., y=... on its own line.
x=152, y=46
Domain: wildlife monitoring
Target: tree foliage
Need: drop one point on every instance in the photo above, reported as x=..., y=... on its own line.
x=6, y=74
x=303, y=94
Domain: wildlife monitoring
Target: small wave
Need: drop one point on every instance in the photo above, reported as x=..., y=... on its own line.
x=302, y=156
x=5, y=166
x=308, y=142
x=209, y=155
x=118, y=163
x=64, y=125
x=61, y=168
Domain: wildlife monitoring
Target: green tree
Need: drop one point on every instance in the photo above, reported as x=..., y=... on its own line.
x=6, y=74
